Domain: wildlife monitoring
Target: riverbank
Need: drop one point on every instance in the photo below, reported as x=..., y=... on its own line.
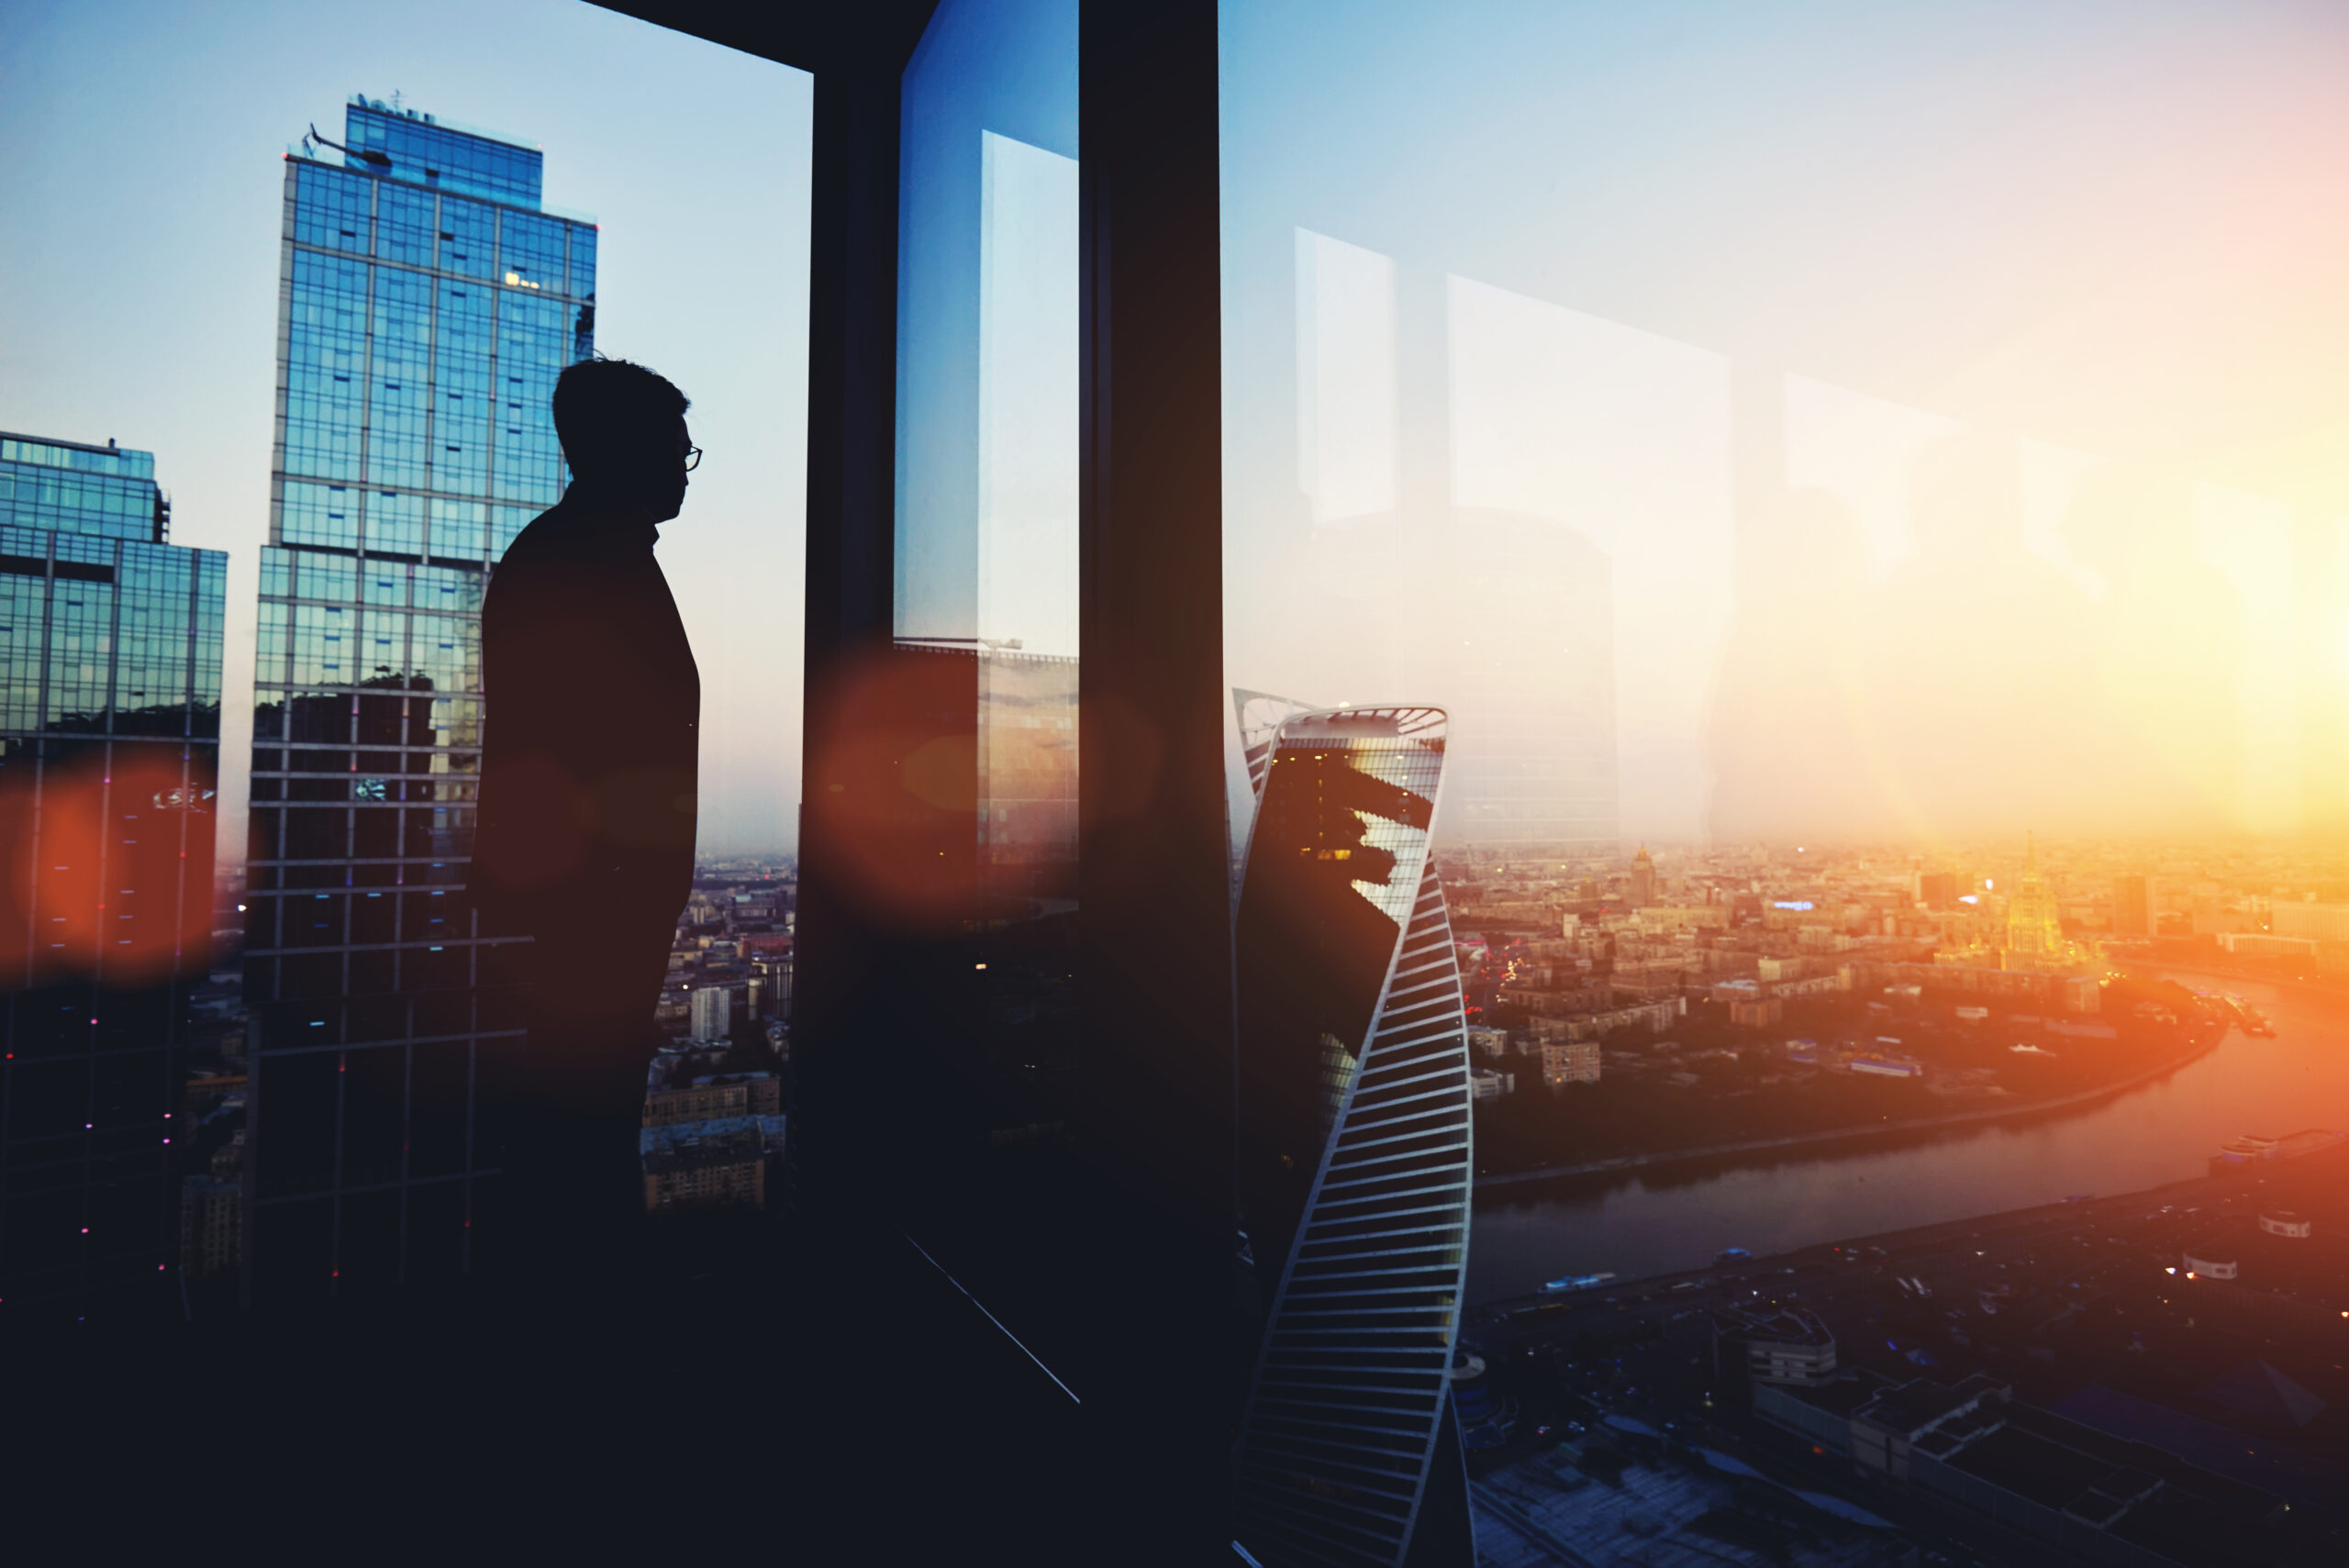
x=2165, y=1203
x=2331, y=991
x=1795, y=1140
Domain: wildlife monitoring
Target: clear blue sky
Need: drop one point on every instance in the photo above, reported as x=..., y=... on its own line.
x=141, y=174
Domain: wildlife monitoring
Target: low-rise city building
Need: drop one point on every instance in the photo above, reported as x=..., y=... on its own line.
x=1485, y=1084
x=1788, y=1346
x=720, y=1161
x=1568, y=1062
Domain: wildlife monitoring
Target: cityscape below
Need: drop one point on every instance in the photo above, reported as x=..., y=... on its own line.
x=1734, y=1197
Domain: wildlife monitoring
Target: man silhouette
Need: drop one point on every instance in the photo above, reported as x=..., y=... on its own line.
x=585, y=838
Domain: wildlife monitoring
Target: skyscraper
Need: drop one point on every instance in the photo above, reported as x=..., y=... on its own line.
x=2035, y=924
x=109, y=749
x=426, y=304
x=2132, y=906
x=1643, y=879
x=1353, y=1144
x=713, y=1012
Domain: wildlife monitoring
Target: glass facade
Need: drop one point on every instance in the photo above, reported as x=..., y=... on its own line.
x=426, y=307
x=109, y=749
x=105, y=492
x=420, y=150
x=1354, y=1154
x=984, y=668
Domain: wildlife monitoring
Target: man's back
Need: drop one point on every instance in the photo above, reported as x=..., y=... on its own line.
x=590, y=751
x=585, y=841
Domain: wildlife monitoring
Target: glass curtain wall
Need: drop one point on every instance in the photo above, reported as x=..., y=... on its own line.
x=982, y=669
x=1864, y=487
x=110, y=644
x=428, y=305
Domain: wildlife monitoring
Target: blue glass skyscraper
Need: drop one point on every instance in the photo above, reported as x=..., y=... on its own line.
x=428, y=301
x=109, y=750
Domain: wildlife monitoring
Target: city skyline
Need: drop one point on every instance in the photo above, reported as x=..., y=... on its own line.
x=1761, y=735
x=702, y=168
x=1779, y=999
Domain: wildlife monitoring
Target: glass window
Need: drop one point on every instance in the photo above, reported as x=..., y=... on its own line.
x=1855, y=494
x=394, y=523
x=22, y=599
x=506, y=522
x=445, y=654
x=448, y=590
x=327, y=365
x=457, y=530
x=333, y=578
x=530, y=251
x=384, y=582
x=334, y=209
x=468, y=237
x=321, y=514
x=583, y=260
x=326, y=645
x=271, y=642
x=533, y=345
x=986, y=657
x=406, y=224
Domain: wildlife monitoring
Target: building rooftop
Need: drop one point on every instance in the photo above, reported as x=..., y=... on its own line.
x=717, y=1141
x=1772, y=1324
x=48, y=451
x=2032, y=1466
x=1915, y=1405
x=396, y=110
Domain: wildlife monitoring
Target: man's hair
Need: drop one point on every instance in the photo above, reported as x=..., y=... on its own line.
x=613, y=410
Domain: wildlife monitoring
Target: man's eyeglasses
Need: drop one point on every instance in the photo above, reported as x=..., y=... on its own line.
x=693, y=459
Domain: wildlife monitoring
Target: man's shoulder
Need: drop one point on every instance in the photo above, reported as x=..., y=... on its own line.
x=535, y=560
x=539, y=543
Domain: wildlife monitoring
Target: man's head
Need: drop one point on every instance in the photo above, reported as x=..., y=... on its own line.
x=623, y=431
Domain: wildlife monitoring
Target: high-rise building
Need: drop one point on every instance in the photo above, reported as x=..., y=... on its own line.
x=428, y=301
x=109, y=751
x=1643, y=879
x=1355, y=1152
x=1935, y=889
x=713, y=1013
x=2132, y=906
x=2034, y=926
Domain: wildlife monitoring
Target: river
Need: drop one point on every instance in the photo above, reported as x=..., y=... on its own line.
x=1658, y=1221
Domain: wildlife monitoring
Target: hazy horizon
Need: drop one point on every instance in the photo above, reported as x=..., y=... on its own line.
x=1823, y=421
x=1828, y=423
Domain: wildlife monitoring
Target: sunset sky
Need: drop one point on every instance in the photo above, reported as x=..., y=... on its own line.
x=1957, y=398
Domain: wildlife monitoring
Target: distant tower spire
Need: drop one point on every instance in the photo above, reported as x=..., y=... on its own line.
x=2034, y=922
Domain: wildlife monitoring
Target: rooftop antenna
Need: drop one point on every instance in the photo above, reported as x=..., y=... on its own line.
x=396, y=99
